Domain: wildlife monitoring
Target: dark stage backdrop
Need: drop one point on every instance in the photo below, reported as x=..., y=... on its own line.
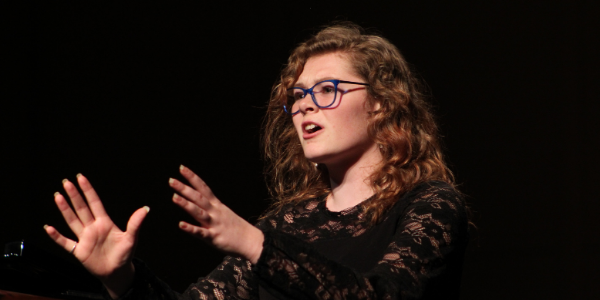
x=125, y=93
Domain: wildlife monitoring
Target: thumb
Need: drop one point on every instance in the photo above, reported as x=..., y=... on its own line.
x=135, y=222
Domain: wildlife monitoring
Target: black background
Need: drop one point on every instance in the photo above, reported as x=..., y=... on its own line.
x=124, y=93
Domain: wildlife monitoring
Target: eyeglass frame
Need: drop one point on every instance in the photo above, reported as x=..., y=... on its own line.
x=312, y=94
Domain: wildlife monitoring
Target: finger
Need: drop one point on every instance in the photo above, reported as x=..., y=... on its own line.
x=70, y=217
x=196, y=212
x=91, y=196
x=81, y=208
x=196, y=231
x=194, y=180
x=190, y=194
x=136, y=219
x=58, y=238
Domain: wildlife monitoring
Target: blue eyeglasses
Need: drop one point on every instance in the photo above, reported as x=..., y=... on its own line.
x=323, y=95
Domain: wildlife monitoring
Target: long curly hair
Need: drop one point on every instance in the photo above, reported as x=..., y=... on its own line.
x=403, y=126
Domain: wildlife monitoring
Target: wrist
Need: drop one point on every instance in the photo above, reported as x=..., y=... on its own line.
x=256, y=246
x=118, y=283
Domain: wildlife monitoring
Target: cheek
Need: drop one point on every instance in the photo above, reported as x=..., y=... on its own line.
x=354, y=116
x=297, y=124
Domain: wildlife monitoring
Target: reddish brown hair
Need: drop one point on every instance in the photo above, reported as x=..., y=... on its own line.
x=403, y=125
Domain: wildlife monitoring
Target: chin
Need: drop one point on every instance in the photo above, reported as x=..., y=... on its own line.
x=312, y=156
x=319, y=158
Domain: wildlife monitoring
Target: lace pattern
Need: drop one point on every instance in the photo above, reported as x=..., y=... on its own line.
x=430, y=231
x=432, y=219
x=311, y=221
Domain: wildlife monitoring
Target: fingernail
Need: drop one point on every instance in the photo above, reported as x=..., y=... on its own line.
x=147, y=208
x=56, y=194
x=65, y=180
x=181, y=167
x=182, y=225
x=78, y=175
x=171, y=180
x=175, y=197
x=45, y=226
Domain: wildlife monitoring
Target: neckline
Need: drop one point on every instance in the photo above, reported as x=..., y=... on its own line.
x=350, y=211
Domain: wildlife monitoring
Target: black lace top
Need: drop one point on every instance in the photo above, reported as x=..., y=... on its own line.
x=309, y=252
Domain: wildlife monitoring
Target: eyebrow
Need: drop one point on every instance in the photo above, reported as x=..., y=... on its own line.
x=302, y=85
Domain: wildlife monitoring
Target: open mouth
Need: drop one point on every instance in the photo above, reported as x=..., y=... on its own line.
x=310, y=128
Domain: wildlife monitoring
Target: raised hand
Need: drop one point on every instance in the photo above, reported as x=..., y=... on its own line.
x=219, y=226
x=102, y=248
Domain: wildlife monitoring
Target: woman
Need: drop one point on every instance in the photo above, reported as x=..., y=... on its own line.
x=364, y=204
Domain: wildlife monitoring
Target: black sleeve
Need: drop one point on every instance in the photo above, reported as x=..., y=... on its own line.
x=232, y=279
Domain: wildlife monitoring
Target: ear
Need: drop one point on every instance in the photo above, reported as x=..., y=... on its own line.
x=373, y=105
x=377, y=105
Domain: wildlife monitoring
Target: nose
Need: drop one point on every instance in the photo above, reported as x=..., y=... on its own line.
x=307, y=104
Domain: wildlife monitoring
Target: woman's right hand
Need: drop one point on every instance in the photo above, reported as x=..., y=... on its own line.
x=103, y=249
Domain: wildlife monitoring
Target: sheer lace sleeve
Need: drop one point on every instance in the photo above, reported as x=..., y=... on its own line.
x=430, y=233
x=232, y=279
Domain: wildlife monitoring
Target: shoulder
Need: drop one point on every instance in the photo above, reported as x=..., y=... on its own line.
x=434, y=192
x=433, y=199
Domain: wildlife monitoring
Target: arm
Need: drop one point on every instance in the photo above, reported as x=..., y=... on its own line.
x=232, y=279
x=430, y=232
x=106, y=252
x=219, y=227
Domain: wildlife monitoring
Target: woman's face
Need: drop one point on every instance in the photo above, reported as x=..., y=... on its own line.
x=336, y=135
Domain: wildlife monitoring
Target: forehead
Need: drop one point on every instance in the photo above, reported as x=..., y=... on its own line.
x=321, y=67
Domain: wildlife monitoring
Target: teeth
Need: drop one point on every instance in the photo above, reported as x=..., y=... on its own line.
x=310, y=127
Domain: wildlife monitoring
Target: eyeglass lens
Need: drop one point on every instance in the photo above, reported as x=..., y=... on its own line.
x=323, y=94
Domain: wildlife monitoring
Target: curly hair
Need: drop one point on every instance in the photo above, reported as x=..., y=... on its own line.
x=403, y=124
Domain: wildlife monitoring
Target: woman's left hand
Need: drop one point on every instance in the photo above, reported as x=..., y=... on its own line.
x=219, y=225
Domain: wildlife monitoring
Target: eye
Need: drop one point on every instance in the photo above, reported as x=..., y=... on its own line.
x=328, y=89
x=324, y=87
x=298, y=95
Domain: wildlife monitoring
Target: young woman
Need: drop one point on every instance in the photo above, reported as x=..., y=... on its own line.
x=364, y=204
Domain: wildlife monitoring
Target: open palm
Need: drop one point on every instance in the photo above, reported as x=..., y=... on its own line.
x=103, y=249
